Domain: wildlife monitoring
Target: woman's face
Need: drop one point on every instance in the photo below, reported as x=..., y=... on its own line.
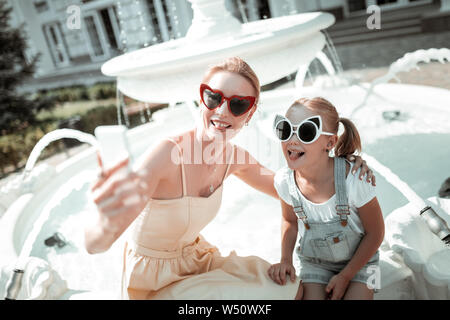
x=297, y=153
x=220, y=123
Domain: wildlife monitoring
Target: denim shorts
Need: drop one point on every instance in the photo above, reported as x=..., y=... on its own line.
x=316, y=271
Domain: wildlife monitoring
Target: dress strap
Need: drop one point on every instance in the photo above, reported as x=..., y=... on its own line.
x=183, y=177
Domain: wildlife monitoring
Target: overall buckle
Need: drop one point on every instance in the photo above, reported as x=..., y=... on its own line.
x=343, y=210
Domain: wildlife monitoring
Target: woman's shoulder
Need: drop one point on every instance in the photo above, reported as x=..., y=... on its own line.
x=164, y=156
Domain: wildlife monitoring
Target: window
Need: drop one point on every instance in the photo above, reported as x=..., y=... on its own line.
x=102, y=33
x=356, y=5
x=261, y=10
x=41, y=6
x=264, y=9
x=56, y=44
x=111, y=25
x=170, y=28
x=381, y=2
x=161, y=23
x=154, y=22
x=94, y=37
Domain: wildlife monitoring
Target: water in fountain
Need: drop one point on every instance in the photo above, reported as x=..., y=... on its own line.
x=242, y=11
x=326, y=61
x=329, y=45
x=35, y=153
x=141, y=113
x=406, y=63
x=148, y=111
x=123, y=35
x=121, y=109
x=54, y=136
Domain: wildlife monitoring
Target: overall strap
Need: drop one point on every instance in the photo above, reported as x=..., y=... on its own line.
x=342, y=208
x=296, y=200
x=183, y=177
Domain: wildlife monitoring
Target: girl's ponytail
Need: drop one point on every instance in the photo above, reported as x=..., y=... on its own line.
x=349, y=141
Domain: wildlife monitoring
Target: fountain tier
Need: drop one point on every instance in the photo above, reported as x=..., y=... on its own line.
x=172, y=71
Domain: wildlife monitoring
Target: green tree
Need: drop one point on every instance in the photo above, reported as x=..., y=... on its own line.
x=17, y=110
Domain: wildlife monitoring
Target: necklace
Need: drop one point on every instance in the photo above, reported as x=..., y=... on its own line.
x=211, y=187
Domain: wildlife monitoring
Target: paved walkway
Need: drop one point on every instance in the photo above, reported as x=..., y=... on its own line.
x=381, y=53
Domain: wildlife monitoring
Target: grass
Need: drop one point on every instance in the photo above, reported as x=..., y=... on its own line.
x=70, y=109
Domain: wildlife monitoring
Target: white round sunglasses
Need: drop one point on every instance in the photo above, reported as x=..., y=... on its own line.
x=308, y=131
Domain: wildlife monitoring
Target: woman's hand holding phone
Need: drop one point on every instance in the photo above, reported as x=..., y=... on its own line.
x=119, y=194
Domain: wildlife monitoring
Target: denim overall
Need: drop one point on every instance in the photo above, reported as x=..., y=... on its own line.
x=329, y=244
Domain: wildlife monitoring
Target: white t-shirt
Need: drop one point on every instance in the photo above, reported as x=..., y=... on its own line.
x=359, y=192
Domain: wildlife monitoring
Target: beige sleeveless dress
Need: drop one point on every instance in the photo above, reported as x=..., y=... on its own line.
x=165, y=256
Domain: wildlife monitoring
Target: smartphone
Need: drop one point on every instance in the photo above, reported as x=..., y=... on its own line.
x=113, y=145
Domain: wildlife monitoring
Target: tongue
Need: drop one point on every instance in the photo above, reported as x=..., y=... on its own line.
x=295, y=155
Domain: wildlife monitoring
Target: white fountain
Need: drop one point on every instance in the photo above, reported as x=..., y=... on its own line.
x=171, y=72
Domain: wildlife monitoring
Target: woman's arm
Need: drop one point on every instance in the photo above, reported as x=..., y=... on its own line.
x=249, y=170
x=110, y=192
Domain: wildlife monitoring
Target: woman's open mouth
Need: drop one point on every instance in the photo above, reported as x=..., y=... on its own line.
x=220, y=125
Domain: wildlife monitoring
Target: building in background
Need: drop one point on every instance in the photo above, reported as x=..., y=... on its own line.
x=71, y=56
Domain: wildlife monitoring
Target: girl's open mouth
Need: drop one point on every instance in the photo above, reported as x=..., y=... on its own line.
x=295, y=155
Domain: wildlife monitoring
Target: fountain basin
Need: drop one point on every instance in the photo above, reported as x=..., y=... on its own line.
x=172, y=71
x=64, y=204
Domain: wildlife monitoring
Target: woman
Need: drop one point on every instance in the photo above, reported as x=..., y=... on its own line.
x=165, y=257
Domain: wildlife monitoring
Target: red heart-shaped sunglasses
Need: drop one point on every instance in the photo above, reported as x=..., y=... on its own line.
x=213, y=98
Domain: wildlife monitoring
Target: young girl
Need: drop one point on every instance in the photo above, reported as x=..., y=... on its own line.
x=340, y=221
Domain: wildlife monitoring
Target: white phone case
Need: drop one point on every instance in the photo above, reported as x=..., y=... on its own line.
x=113, y=145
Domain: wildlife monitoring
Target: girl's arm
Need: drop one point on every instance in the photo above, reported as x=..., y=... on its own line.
x=372, y=220
x=289, y=230
x=114, y=213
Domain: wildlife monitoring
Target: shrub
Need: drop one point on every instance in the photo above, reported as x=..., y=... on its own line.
x=102, y=91
x=99, y=91
x=15, y=148
x=100, y=116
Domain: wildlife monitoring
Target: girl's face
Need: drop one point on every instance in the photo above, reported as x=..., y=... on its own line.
x=298, y=154
x=220, y=123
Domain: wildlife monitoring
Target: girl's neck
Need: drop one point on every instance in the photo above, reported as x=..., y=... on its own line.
x=317, y=173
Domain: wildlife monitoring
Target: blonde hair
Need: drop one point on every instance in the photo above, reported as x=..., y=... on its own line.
x=235, y=65
x=349, y=141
